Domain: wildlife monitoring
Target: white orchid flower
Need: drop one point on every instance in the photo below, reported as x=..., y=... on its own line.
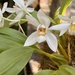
x=69, y=26
x=25, y=6
x=1, y=14
x=43, y=33
x=21, y=9
x=15, y=9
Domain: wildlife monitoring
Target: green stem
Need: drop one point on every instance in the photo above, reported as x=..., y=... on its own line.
x=21, y=28
x=27, y=12
x=63, y=51
x=69, y=51
x=23, y=19
x=47, y=54
x=10, y=19
x=44, y=53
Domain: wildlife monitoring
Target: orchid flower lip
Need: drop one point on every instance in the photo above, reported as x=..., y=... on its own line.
x=41, y=39
x=41, y=29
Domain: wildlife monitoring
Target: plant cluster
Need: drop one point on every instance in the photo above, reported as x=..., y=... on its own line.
x=16, y=48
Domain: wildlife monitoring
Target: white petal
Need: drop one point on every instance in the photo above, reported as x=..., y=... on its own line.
x=11, y=10
x=0, y=15
x=4, y=7
x=41, y=39
x=51, y=41
x=32, y=39
x=20, y=3
x=72, y=19
x=30, y=9
x=64, y=17
x=32, y=20
x=60, y=26
x=17, y=9
x=18, y=17
x=29, y=2
x=43, y=18
x=2, y=23
x=62, y=32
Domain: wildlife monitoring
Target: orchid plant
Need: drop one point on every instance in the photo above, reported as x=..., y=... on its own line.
x=16, y=48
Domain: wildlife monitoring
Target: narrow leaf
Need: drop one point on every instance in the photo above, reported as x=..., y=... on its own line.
x=62, y=9
x=45, y=72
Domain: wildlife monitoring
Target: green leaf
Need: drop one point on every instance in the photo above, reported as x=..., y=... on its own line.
x=7, y=42
x=68, y=69
x=13, y=33
x=63, y=70
x=61, y=10
x=10, y=38
x=14, y=56
x=34, y=14
x=59, y=59
x=51, y=20
x=14, y=60
x=44, y=72
x=64, y=5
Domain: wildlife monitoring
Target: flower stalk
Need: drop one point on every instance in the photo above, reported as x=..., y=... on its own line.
x=69, y=50
x=21, y=28
x=10, y=19
x=63, y=51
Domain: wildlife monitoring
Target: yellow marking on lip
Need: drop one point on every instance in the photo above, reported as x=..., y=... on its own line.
x=41, y=31
x=72, y=27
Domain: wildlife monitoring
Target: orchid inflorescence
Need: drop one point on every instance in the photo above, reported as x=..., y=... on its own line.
x=43, y=29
